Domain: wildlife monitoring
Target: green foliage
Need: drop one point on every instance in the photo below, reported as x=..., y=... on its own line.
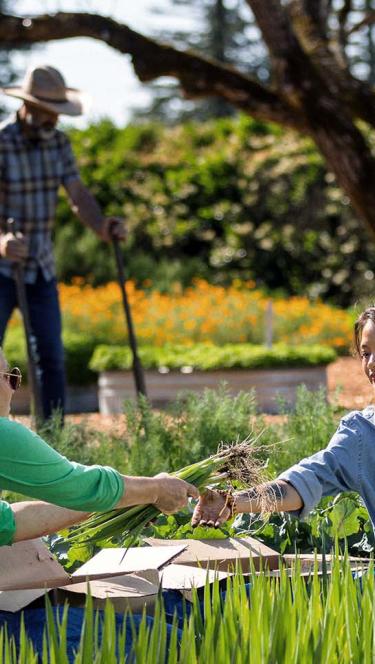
x=85, y=354
x=206, y=357
x=344, y=521
x=85, y=445
x=237, y=197
x=78, y=351
x=327, y=617
x=304, y=431
x=192, y=429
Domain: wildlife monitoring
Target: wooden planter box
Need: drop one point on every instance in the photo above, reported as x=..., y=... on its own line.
x=79, y=399
x=269, y=385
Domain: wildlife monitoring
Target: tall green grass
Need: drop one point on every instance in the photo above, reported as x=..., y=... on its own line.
x=280, y=620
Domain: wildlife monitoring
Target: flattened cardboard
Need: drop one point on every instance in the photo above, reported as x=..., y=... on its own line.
x=131, y=585
x=306, y=562
x=224, y=554
x=110, y=562
x=30, y=564
x=15, y=600
x=186, y=577
x=130, y=591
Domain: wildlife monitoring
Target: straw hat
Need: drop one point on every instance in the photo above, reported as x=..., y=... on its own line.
x=45, y=87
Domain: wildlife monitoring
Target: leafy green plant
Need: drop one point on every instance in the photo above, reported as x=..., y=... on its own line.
x=205, y=357
x=78, y=351
x=84, y=444
x=236, y=197
x=190, y=430
x=305, y=430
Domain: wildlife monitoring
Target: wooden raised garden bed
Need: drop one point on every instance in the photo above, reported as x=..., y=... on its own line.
x=269, y=385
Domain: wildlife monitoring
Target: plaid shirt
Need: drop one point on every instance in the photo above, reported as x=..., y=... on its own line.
x=30, y=176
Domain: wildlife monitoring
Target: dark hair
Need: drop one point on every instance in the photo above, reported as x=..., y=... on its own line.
x=367, y=314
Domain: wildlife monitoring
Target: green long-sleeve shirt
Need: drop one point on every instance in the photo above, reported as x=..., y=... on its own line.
x=28, y=465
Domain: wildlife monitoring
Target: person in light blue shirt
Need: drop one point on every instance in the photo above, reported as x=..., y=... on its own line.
x=346, y=464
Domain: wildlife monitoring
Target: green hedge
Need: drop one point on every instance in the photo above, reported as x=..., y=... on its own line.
x=205, y=357
x=232, y=198
x=78, y=351
x=85, y=355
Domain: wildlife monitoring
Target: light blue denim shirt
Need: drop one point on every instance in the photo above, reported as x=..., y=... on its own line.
x=347, y=464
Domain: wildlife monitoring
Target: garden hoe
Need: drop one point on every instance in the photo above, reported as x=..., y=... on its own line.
x=138, y=374
x=31, y=344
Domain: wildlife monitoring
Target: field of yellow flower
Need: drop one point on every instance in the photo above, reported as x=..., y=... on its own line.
x=203, y=313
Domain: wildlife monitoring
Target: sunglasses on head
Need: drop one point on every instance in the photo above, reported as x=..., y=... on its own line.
x=13, y=377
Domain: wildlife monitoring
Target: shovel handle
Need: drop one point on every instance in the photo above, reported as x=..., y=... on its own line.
x=137, y=366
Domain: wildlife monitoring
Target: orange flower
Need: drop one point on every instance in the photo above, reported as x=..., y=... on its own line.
x=202, y=312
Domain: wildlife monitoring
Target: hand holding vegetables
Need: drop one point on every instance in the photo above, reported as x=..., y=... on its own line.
x=235, y=463
x=172, y=493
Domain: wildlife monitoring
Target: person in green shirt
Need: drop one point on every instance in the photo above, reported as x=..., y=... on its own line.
x=66, y=491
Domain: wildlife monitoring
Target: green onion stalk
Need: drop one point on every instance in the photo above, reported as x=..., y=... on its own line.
x=233, y=463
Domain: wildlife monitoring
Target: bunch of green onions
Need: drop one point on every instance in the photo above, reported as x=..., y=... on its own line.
x=232, y=463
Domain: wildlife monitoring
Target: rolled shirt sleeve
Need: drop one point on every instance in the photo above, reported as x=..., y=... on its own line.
x=331, y=470
x=28, y=465
x=7, y=523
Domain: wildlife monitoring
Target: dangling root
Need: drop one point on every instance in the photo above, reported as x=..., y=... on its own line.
x=244, y=467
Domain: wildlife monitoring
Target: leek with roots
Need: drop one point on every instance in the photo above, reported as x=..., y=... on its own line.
x=233, y=463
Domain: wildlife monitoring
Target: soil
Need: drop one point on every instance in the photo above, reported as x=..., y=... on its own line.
x=347, y=387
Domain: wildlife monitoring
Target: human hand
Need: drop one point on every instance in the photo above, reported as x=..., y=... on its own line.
x=13, y=246
x=113, y=227
x=212, y=510
x=172, y=493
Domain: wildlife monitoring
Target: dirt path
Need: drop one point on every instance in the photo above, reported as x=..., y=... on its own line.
x=345, y=376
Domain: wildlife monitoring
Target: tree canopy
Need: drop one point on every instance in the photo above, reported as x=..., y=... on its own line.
x=311, y=88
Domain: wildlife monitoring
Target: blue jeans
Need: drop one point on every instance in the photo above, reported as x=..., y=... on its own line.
x=45, y=319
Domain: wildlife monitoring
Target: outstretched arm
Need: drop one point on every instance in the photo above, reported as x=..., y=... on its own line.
x=300, y=488
x=38, y=518
x=213, y=509
x=279, y=495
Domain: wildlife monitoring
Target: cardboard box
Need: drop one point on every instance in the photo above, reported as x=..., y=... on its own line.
x=28, y=570
x=30, y=564
x=186, y=577
x=110, y=562
x=306, y=563
x=130, y=591
x=223, y=554
x=132, y=578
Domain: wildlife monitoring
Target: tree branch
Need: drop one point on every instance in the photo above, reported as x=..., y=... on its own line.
x=304, y=100
x=199, y=76
x=369, y=19
x=358, y=96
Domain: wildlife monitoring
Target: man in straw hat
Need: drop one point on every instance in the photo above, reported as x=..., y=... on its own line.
x=35, y=159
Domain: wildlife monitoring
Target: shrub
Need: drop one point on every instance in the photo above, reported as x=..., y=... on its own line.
x=238, y=202
x=304, y=431
x=206, y=357
x=78, y=351
x=190, y=430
